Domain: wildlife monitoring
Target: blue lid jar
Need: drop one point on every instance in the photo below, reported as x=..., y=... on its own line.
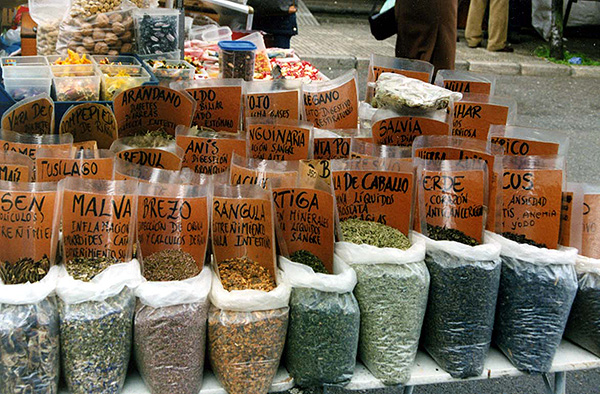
x=245, y=46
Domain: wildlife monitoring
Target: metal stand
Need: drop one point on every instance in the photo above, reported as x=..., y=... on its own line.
x=560, y=383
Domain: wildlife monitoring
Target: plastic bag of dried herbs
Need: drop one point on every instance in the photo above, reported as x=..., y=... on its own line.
x=324, y=323
x=170, y=333
x=246, y=335
x=392, y=290
x=459, y=321
x=96, y=327
x=29, y=338
x=583, y=327
x=537, y=289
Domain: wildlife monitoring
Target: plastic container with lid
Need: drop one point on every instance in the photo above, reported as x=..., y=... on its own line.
x=20, y=67
x=167, y=71
x=76, y=83
x=156, y=30
x=175, y=55
x=20, y=88
x=9, y=61
x=114, y=64
x=115, y=81
x=236, y=59
x=216, y=35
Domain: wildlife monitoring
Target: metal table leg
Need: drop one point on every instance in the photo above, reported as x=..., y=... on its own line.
x=409, y=389
x=560, y=383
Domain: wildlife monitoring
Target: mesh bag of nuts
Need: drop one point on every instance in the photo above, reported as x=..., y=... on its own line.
x=100, y=27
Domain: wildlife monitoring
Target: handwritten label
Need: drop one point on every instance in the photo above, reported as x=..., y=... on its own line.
x=243, y=227
x=566, y=218
x=454, y=199
x=333, y=109
x=15, y=173
x=209, y=155
x=50, y=169
x=332, y=148
x=376, y=71
x=473, y=120
x=311, y=170
x=97, y=225
x=283, y=105
x=375, y=196
x=532, y=204
x=30, y=150
x=244, y=176
x=278, y=142
x=590, y=245
x=306, y=219
x=85, y=145
x=402, y=131
x=157, y=158
x=173, y=223
x=26, y=225
x=146, y=108
x=33, y=117
x=218, y=107
x=520, y=147
x=468, y=86
x=90, y=122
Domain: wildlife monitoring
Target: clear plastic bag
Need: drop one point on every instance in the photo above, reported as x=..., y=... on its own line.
x=47, y=14
x=322, y=339
x=29, y=337
x=462, y=301
x=583, y=327
x=537, y=289
x=392, y=294
x=170, y=333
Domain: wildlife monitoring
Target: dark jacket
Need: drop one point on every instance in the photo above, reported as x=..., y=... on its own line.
x=273, y=17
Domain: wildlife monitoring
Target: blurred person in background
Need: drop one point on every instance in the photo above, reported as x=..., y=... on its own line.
x=497, y=25
x=427, y=31
x=277, y=18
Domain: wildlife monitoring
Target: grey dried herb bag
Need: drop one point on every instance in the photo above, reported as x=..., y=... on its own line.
x=392, y=294
x=537, y=289
x=246, y=336
x=583, y=327
x=29, y=337
x=322, y=340
x=170, y=333
x=96, y=328
x=462, y=301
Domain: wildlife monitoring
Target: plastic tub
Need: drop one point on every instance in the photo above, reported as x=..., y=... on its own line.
x=22, y=88
x=10, y=61
x=76, y=83
x=114, y=64
x=236, y=59
x=216, y=35
x=113, y=83
x=167, y=75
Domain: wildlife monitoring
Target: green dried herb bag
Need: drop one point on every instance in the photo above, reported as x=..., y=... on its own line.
x=322, y=340
x=96, y=328
x=246, y=336
x=537, y=289
x=170, y=333
x=392, y=294
x=583, y=327
x=459, y=321
x=29, y=337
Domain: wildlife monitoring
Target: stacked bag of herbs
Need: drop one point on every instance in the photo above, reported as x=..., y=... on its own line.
x=172, y=307
x=538, y=282
x=248, y=319
x=393, y=281
x=324, y=323
x=96, y=300
x=465, y=272
x=29, y=326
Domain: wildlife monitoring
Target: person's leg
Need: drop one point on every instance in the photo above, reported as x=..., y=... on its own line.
x=473, y=32
x=281, y=41
x=417, y=28
x=498, y=27
x=444, y=52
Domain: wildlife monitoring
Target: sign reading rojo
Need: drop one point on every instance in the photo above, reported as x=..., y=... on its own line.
x=146, y=108
x=90, y=122
x=34, y=116
x=282, y=105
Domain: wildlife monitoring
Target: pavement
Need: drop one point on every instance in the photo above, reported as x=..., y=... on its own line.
x=347, y=41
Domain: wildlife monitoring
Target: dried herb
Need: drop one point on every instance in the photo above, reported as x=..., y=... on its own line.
x=392, y=300
x=307, y=258
x=460, y=312
x=583, y=327
x=86, y=268
x=151, y=139
x=533, y=306
x=322, y=337
x=373, y=233
x=522, y=239
x=170, y=265
x=245, y=348
x=201, y=131
x=244, y=274
x=24, y=270
x=169, y=346
x=439, y=233
x=29, y=356
x=95, y=343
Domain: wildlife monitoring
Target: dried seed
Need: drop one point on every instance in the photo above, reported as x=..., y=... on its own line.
x=244, y=274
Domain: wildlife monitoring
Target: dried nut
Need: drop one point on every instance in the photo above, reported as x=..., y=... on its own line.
x=72, y=45
x=98, y=34
x=77, y=36
x=128, y=23
x=127, y=48
x=87, y=29
x=118, y=28
x=89, y=43
x=102, y=20
x=111, y=39
x=113, y=52
x=81, y=50
x=101, y=48
x=115, y=18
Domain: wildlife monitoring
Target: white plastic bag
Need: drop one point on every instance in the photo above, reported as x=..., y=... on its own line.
x=392, y=291
x=47, y=14
x=324, y=353
x=170, y=333
x=537, y=289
